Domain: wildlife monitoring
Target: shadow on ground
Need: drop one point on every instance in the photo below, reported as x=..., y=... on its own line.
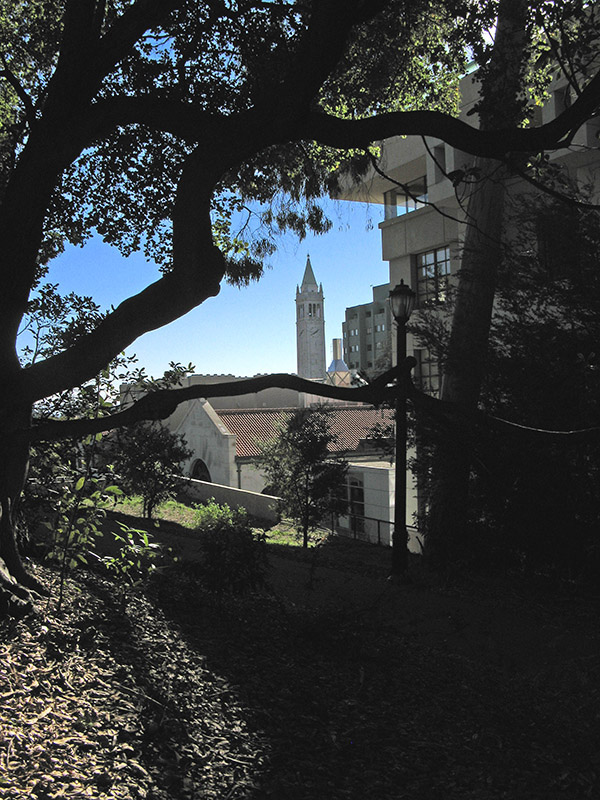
x=364, y=689
x=330, y=684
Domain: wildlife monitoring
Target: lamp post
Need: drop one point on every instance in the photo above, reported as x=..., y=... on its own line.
x=402, y=302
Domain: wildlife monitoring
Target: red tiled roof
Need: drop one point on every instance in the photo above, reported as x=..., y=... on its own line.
x=350, y=425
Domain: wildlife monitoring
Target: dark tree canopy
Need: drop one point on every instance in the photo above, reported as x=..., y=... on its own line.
x=534, y=502
x=152, y=121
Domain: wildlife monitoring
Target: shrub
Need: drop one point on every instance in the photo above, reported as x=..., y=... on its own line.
x=233, y=556
x=147, y=459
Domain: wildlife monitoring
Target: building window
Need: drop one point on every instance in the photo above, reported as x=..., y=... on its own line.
x=433, y=272
x=369, y=330
x=356, y=504
x=439, y=163
x=368, y=314
x=369, y=347
x=427, y=372
x=403, y=200
x=300, y=312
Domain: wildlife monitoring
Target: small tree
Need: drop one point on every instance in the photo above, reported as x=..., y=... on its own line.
x=302, y=470
x=148, y=461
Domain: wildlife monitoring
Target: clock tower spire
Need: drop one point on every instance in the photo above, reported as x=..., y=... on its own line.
x=310, y=326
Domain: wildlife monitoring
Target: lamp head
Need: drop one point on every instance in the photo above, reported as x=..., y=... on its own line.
x=402, y=301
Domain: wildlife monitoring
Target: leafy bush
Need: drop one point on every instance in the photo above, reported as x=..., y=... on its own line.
x=233, y=556
x=79, y=512
x=134, y=560
x=147, y=458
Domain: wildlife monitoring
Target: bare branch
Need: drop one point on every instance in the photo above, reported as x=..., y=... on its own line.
x=543, y=187
x=406, y=189
x=495, y=144
x=157, y=305
x=161, y=404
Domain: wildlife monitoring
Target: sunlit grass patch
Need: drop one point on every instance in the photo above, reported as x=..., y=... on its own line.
x=169, y=511
x=286, y=533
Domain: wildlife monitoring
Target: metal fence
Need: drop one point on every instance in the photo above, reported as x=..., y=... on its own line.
x=365, y=529
x=376, y=531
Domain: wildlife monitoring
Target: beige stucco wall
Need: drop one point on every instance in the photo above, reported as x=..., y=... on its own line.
x=208, y=439
x=252, y=478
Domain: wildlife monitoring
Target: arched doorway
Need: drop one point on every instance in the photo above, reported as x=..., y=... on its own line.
x=200, y=471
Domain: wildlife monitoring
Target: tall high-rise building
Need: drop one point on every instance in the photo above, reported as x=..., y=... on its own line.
x=310, y=326
x=367, y=332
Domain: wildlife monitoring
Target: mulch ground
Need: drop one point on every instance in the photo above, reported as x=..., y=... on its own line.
x=334, y=683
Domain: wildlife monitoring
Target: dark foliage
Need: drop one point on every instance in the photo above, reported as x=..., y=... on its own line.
x=233, y=556
x=148, y=460
x=534, y=506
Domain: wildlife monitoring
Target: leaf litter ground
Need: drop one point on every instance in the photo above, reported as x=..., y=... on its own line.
x=332, y=684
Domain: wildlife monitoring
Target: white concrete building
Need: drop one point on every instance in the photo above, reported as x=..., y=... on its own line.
x=423, y=228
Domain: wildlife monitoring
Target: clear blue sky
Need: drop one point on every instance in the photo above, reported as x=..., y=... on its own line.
x=250, y=330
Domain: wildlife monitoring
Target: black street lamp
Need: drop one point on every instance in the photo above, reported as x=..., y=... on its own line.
x=402, y=302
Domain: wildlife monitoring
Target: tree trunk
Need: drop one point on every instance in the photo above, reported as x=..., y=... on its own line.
x=305, y=534
x=464, y=370
x=17, y=587
x=502, y=87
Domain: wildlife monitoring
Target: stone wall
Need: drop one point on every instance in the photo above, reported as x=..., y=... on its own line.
x=262, y=507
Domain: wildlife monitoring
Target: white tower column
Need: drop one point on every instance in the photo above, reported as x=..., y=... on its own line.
x=310, y=326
